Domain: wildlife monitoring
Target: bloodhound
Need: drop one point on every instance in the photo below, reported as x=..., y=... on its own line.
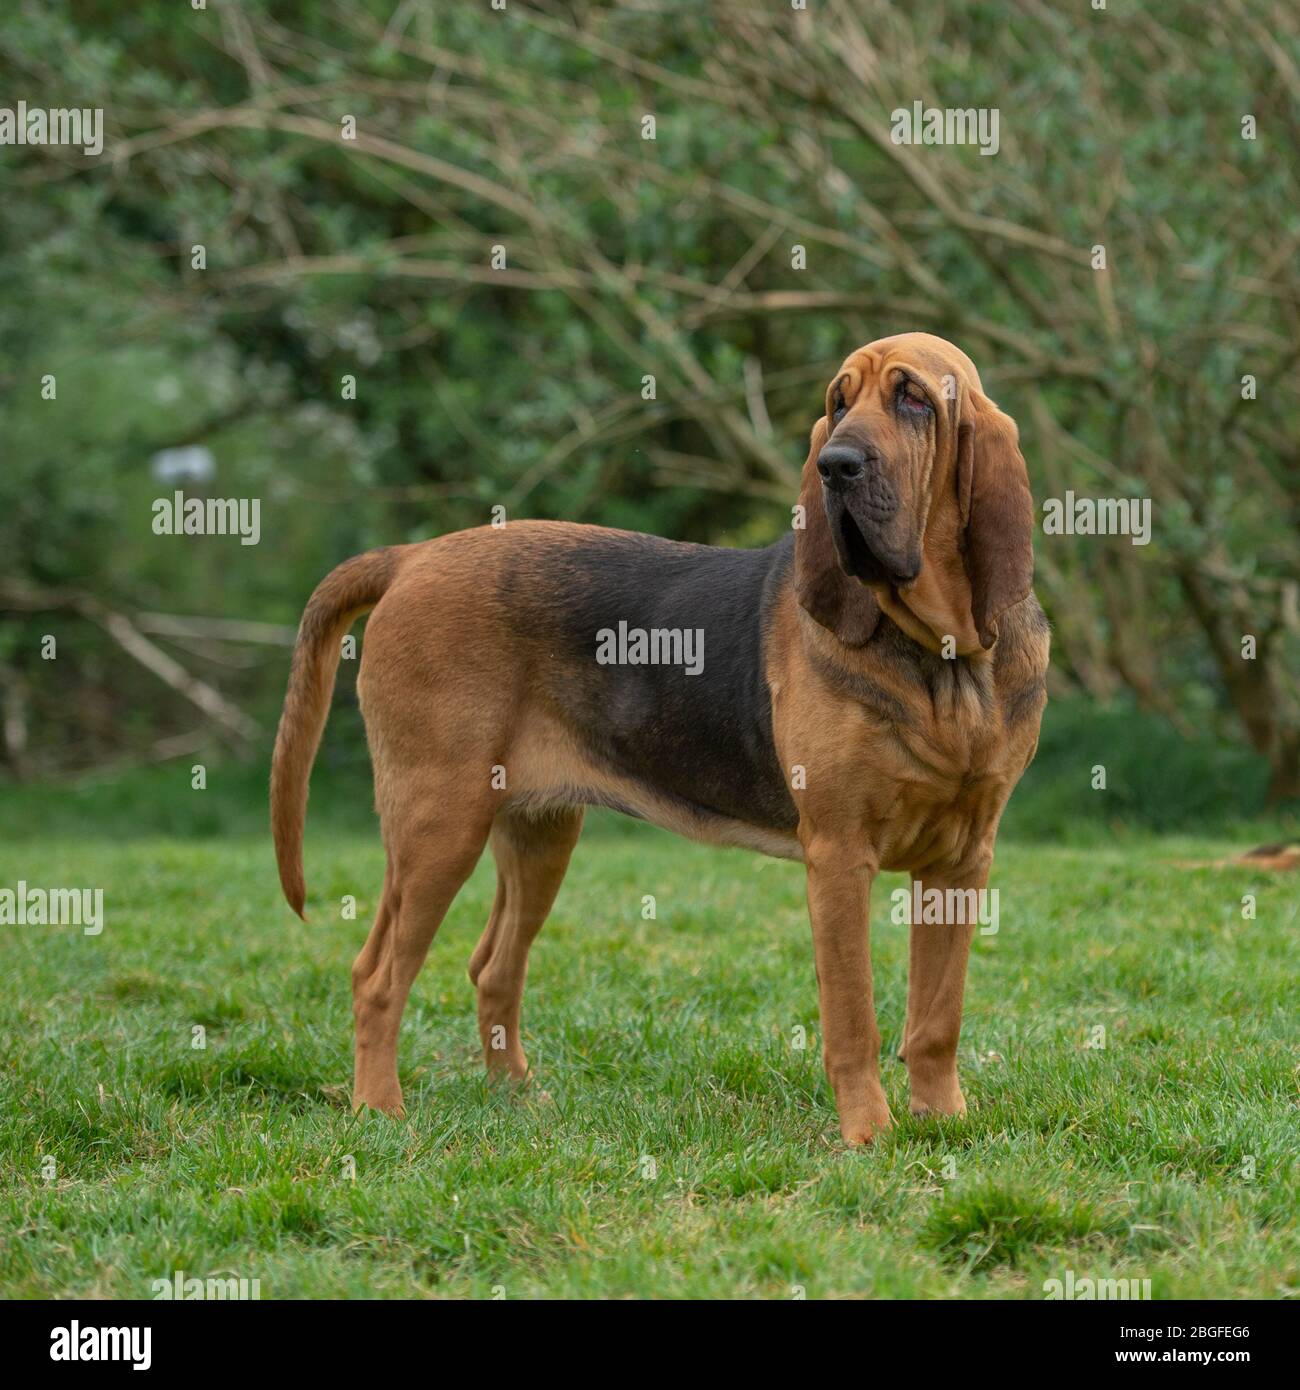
x=862, y=695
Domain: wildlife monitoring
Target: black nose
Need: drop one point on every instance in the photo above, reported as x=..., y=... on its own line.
x=841, y=465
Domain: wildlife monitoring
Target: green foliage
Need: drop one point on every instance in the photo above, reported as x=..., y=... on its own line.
x=625, y=258
x=1155, y=781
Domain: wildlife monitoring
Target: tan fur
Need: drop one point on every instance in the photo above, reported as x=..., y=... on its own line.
x=896, y=758
x=339, y=599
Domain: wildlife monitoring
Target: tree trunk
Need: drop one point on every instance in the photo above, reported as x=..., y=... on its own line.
x=1253, y=688
x=1284, y=784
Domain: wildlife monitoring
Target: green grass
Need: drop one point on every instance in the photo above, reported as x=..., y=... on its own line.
x=669, y=1040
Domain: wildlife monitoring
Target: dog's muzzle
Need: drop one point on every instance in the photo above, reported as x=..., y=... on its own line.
x=842, y=466
x=862, y=509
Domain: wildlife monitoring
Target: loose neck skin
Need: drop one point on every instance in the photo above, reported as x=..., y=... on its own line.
x=938, y=604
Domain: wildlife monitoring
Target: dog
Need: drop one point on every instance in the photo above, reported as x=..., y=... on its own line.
x=862, y=695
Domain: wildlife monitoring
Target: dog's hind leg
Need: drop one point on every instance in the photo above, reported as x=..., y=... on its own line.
x=430, y=855
x=532, y=854
x=483, y=951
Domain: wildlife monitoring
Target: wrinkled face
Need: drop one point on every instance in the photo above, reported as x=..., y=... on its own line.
x=888, y=415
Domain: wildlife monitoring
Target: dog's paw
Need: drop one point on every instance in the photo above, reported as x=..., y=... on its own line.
x=389, y=1105
x=950, y=1102
x=865, y=1125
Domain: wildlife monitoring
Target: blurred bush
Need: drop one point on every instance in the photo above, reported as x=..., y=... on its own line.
x=501, y=261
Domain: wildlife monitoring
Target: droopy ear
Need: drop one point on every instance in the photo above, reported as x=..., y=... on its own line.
x=833, y=598
x=997, y=510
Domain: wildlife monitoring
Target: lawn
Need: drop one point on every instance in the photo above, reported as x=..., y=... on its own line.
x=681, y=1142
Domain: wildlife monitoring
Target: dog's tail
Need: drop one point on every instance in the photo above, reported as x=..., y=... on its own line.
x=339, y=599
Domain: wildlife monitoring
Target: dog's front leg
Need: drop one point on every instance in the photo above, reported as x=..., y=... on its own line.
x=940, y=947
x=839, y=897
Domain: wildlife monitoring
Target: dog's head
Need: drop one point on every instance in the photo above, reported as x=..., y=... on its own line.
x=915, y=500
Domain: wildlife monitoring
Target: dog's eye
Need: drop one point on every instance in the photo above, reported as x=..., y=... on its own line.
x=838, y=409
x=910, y=399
